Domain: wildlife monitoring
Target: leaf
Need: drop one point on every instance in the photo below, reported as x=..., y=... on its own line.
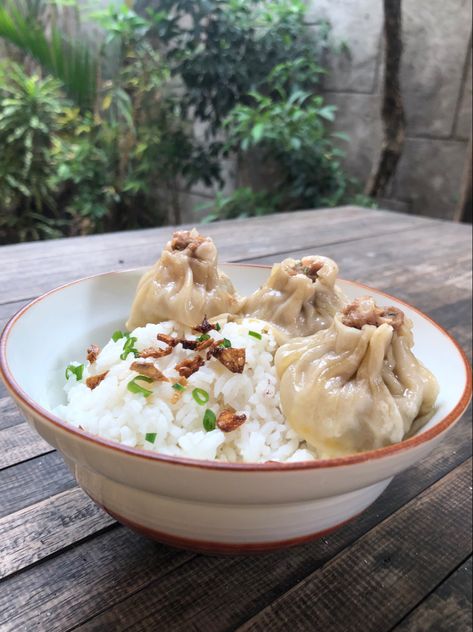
x=257, y=132
x=69, y=61
x=106, y=102
x=328, y=112
x=296, y=143
x=342, y=136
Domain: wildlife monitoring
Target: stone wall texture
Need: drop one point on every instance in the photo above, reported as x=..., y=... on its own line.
x=436, y=85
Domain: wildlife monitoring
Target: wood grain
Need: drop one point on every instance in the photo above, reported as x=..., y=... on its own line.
x=385, y=573
x=447, y=608
x=268, y=576
x=23, y=274
x=20, y=443
x=100, y=586
x=9, y=413
x=31, y=534
x=32, y=481
x=116, y=580
x=58, y=593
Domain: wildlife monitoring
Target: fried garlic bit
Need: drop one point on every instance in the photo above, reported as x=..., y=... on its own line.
x=149, y=370
x=204, y=326
x=228, y=420
x=94, y=380
x=187, y=367
x=233, y=359
x=92, y=353
x=151, y=352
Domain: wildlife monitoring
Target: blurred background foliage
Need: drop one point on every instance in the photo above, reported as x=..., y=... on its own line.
x=105, y=115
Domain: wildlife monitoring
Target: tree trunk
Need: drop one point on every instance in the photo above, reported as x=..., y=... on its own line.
x=392, y=111
x=463, y=209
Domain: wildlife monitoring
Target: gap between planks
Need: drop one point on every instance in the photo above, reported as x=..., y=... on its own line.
x=40, y=530
x=185, y=596
x=447, y=608
x=26, y=444
x=417, y=478
x=448, y=455
x=377, y=553
x=272, y=240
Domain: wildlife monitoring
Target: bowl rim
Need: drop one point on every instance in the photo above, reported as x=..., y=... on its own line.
x=371, y=455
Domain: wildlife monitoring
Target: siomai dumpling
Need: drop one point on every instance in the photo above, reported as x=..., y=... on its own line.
x=300, y=296
x=357, y=385
x=184, y=285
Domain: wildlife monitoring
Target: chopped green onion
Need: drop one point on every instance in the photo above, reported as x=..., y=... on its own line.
x=178, y=387
x=117, y=335
x=203, y=337
x=210, y=420
x=129, y=348
x=77, y=370
x=226, y=343
x=200, y=396
x=255, y=334
x=217, y=327
x=151, y=437
x=133, y=387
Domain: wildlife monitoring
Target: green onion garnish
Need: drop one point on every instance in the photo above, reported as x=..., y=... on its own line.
x=203, y=337
x=255, y=334
x=77, y=370
x=151, y=437
x=133, y=387
x=117, y=335
x=129, y=348
x=226, y=343
x=178, y=387
x=200, y=396
x=210, y=420
x=217, y=327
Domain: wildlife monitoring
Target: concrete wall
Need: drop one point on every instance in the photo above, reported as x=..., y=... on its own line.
x=436, y=84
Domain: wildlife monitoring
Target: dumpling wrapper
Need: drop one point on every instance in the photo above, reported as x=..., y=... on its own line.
x=184, y=285
x=299, y=297
x=357, y=385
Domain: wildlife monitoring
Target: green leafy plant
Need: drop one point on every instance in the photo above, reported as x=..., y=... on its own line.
x=105, y=134
x=231, y=47
x=69, y=61
x=31, y=109
x=243, y=202
x=291, y=131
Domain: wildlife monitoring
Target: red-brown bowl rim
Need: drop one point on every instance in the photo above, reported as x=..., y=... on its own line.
x=353, y=459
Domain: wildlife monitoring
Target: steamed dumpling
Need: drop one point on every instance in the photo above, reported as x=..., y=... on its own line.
x=299, y=298
x=184, y=285
x=357, y=385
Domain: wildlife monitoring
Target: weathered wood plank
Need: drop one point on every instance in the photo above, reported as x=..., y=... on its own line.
x=447, y=609
x=438, y=254
x=23, y=274
x=63, y=590
x=268, y=576
x=32, y=481
x=31, y=534
x=9, y=413
x=451, y=453
x=385, y=573
x=20, y=443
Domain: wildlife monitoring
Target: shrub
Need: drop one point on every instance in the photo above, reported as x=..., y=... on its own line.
x=102, y=137
x=31, y=110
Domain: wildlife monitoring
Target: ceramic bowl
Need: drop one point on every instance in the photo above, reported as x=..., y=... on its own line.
x=203, y=505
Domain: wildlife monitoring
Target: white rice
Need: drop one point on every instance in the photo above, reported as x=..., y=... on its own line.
x=113, y=412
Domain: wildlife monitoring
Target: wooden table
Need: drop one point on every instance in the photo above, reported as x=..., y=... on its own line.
x=405, y=564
